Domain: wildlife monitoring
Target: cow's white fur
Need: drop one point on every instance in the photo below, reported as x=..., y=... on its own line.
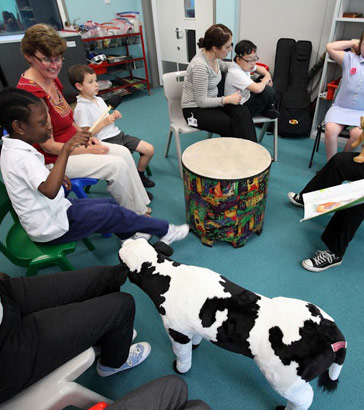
x=191, y=286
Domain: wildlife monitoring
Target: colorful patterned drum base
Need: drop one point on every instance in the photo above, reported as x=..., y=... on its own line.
x=225, y=209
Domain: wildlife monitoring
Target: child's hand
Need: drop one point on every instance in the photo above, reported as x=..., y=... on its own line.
x=233, y=98
x=117, y=114
x=355, y=46
x=80, y=138
x=110, y=119
x=67, y=183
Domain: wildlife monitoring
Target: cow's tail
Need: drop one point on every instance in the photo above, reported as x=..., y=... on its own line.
x=329, y=380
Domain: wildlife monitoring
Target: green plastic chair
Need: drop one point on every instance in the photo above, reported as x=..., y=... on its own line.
x=22, y=251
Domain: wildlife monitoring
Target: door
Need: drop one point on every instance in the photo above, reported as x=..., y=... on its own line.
x=179, y=25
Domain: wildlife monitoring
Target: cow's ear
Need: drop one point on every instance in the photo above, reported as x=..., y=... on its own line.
x=163, y=249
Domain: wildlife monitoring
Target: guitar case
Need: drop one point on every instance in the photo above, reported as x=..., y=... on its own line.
x=294, y=100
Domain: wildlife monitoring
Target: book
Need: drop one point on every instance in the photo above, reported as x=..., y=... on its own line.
x=333, y=199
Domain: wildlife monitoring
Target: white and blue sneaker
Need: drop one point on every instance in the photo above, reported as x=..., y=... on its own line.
x=97, y=349
x=175, y=233
x=137, y=354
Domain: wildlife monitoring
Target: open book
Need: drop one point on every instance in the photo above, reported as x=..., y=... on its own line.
x=333, y=199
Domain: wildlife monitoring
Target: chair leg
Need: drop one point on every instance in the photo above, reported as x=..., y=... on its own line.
x=275, y=140
x=168, y=144
x=78, y=190
x=32, y=270
x=179, y=153
x=90, y=245
x=65, y=264
x=262, y=132
x=316, y=144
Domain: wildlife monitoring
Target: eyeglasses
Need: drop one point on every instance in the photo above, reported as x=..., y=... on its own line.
x=47, y=61
x=253, y=60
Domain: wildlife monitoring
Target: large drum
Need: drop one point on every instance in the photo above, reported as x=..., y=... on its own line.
x=225, y=185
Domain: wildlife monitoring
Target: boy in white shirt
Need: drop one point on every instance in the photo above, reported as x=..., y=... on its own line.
x=89, y=108
x=257, y=96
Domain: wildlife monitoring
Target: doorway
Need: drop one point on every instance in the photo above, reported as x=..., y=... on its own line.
x=178, y=25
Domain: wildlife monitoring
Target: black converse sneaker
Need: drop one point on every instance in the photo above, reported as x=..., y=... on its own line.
x=296, y=199
x=321, y=261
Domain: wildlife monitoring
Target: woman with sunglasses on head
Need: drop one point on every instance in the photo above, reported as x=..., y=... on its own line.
x=43, y=49
x=257, y=95
x=201, y=105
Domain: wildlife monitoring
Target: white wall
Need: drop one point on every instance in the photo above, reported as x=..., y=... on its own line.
x=266, y=21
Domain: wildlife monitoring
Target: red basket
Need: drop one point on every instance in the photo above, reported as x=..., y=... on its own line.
x=99, y=68
x=331, y=87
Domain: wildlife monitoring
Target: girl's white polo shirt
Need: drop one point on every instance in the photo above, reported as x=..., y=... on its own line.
x=23, y=170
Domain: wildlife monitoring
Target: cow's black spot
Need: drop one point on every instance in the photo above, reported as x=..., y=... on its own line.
x=314, y=310
x=178, y=337
x=242, y=312
x=153, y=284
x=160, y=258
x=313, y=351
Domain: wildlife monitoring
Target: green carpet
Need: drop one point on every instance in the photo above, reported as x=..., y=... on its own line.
x=268, y=264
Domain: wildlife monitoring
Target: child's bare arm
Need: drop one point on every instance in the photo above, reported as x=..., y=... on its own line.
x=54, y=181
x=266, y=80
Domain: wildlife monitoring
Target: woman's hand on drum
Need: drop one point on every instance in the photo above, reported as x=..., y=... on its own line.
x=233, y=98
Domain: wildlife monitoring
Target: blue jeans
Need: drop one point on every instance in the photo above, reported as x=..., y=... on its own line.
x=104, y=215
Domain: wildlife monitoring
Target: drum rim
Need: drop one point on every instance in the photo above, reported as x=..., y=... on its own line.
x=227, y=179
x=218, y=140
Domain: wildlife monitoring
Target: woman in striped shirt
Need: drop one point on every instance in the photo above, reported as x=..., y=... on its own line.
x=201, y=105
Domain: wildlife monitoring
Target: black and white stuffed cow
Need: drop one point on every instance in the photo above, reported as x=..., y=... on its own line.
x=291, y=341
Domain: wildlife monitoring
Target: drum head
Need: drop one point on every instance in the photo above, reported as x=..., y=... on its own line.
x=226, y=158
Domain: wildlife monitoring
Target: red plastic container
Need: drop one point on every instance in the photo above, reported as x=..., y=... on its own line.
x=331, y=87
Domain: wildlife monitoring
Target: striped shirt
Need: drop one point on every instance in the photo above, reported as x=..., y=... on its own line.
x=200, y=84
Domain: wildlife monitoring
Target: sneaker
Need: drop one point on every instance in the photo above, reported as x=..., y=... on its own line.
x=143, y=235
x=296, y=199
x=148, y=183
x=175, y=233
x=97, y=349
x=321, y=261
x=150, y=195
x=137, y=354
x=137, y=235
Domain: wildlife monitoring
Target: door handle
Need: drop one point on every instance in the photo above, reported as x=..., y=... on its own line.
x=179, y=33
